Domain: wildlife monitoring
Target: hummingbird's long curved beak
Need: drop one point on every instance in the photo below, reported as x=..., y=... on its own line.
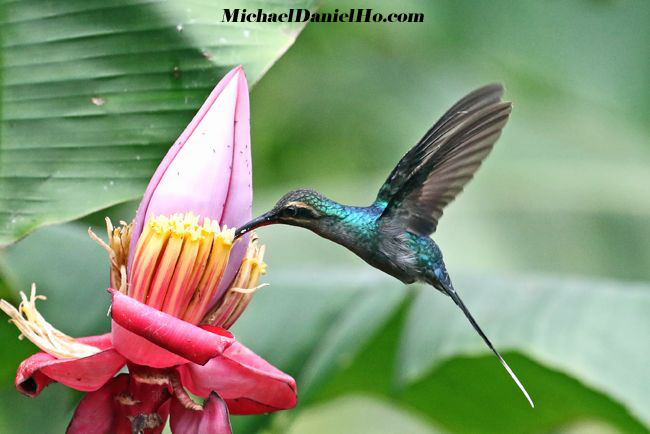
x=263, y=220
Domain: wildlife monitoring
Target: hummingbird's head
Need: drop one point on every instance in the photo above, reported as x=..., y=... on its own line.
x=298, y=208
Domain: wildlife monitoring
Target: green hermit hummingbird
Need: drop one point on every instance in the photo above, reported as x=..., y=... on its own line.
x=393, y=234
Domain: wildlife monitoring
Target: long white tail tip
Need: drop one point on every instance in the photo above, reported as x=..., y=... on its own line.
x=516, y=380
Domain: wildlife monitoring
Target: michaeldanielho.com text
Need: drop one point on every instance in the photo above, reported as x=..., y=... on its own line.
x=304, y=15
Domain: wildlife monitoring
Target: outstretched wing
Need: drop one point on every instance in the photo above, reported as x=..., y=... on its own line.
x=449, y=165
x=433, y=138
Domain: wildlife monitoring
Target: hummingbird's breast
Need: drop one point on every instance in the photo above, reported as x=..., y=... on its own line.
x=385, y=248
x=383, y=244
x=407, y=256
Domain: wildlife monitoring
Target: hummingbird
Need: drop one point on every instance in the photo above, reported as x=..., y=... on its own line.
x=393, y=234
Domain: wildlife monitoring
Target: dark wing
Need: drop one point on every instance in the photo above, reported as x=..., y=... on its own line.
x=428, y=144
x=418, y=204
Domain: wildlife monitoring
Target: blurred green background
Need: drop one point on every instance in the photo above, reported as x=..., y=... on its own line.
x=550, y=244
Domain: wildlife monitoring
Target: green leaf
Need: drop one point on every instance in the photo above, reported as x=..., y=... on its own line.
x=70, y=269
x=595, y=331
x=93, y=94
x=50, y=412
x=356, y=325
x=355, y=414
x=474, y=394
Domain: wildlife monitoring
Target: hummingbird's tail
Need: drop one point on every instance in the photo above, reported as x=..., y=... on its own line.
x=451, y=292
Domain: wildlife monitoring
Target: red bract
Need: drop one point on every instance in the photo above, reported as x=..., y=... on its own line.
x=85, y=374
x=179, y=283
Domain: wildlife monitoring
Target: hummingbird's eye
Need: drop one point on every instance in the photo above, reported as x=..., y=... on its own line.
x=290, y=211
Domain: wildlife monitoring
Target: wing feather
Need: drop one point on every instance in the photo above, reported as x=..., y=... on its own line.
x=442, y=175
x=429, y=143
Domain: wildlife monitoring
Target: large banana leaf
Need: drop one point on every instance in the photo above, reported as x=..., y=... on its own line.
x=593, y=330
x=93, y=93
x=359, y=414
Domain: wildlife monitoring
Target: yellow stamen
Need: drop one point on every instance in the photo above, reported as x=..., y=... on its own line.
x=34, y=327
x=119, y=240
x=216, y=265
x=178, y=264
x=165, y=269
x=183, y=275
x=240, y=293
x=150, y=247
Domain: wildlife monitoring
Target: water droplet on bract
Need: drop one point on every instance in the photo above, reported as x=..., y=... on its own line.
x=111, y=183
x=13, y=220
x=179, y=27
x=137, y=157
x=98, y=101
